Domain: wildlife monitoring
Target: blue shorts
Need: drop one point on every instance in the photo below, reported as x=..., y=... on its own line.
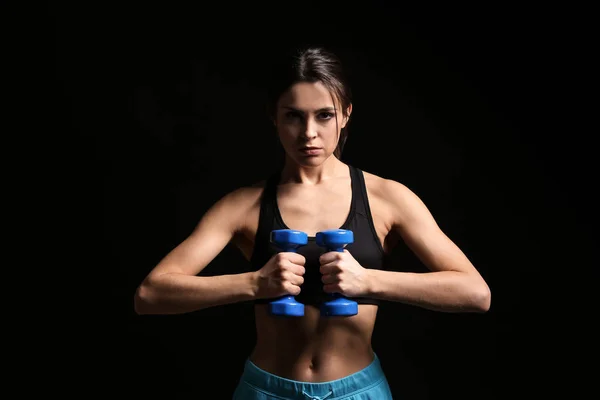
x=369, y=383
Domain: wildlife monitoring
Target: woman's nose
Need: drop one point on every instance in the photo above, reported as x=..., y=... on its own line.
x=310, y=129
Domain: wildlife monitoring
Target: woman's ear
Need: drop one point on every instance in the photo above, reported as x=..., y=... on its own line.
x=347, y=116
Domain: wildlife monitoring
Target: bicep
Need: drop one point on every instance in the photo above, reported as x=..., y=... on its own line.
x=413, y=221
x=213, y=232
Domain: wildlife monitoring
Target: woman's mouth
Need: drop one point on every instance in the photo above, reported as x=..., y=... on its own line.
x=310, y=151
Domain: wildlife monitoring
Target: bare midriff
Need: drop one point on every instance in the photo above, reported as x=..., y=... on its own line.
x=313, y=348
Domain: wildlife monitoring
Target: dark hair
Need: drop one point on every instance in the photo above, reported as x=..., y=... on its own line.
x=311, y=64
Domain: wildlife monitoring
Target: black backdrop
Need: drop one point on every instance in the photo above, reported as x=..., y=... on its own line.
x=473, y=114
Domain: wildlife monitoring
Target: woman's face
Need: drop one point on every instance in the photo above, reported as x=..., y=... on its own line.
x=306, y=122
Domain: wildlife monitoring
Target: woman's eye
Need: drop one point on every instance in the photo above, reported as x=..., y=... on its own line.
x=324, y=116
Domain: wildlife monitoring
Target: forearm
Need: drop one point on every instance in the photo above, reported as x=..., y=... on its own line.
x=173, y=293
x=447, y=291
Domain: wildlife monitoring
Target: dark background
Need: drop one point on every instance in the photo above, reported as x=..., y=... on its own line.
x=480, y=116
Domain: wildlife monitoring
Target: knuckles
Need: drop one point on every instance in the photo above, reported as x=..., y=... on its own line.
x=331, y=257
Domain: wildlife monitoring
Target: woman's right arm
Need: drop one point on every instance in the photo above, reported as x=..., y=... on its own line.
x=173, y=287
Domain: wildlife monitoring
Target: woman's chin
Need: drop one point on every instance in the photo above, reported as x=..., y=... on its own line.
x=310, y=161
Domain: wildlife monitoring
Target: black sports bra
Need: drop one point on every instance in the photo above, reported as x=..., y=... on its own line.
x=366, y=248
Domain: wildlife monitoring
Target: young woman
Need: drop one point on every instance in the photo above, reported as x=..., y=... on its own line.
x=315, y=356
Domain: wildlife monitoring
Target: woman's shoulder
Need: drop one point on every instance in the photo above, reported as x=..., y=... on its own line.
x=246, y=196
x=384, y=187
x=379, y=182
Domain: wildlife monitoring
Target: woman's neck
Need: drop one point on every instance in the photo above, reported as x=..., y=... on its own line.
x=312, y=175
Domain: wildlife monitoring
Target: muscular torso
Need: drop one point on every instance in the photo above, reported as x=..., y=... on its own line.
x=314, y=348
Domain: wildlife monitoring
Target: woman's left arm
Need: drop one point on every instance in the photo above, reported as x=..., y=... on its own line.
x=453, y=283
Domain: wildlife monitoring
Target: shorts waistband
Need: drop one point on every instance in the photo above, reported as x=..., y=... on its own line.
x=363, y=380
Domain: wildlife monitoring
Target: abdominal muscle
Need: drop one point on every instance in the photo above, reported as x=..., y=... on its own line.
x=314, y=348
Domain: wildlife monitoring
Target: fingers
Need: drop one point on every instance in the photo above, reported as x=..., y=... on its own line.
x=296, y=269
x=292, y=289
x=294, y=258
x=291, y=262
x=330, y=279
x=289, y=272
x=292, y=278
x=330, y=268
x=331, y=256
x=290, y=283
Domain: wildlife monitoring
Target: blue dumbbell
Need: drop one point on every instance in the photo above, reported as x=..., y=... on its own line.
x=288, y=240
x=336, y=240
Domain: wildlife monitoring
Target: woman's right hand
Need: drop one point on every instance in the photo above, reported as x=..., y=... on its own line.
x=282, y=275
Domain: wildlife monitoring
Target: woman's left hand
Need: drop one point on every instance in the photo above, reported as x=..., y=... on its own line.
x=341, y=273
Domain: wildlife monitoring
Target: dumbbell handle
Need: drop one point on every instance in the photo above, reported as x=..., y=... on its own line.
x=287, y=305
x=339, y=305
